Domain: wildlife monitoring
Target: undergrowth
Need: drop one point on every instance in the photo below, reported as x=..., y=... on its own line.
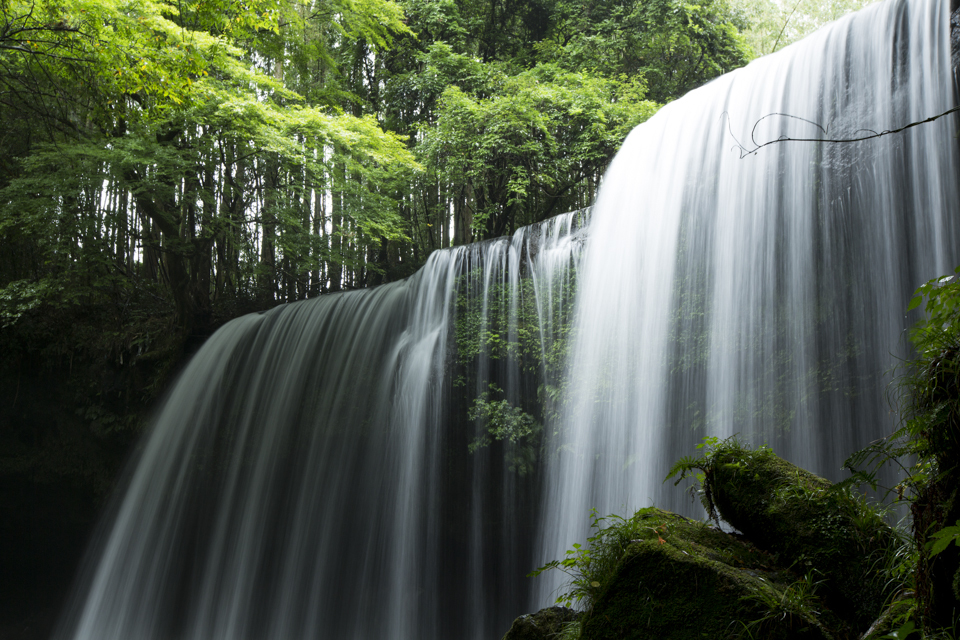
x=797, y=604
x=590, y=567
x=926, y=449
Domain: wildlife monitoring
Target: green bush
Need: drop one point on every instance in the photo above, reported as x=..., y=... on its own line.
x=926, y=447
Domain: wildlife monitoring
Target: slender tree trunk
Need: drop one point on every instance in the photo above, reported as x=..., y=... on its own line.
x=317, y=240
x=336, y=241
x=267, y=284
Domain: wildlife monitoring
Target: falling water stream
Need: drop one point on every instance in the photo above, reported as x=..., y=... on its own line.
x=760, y=292
x=319, y=471
x=308, y=476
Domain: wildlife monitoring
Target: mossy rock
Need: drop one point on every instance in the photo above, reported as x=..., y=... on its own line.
x=812, y=527
x=546, y=624
x=891, y=617
x=682, y=579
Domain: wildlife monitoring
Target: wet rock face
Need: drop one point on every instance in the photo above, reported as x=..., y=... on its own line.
x=795, y=514
x=684, y=579
x=546, y=624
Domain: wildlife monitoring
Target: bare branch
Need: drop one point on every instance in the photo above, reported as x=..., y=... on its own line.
x=744, y=152
x=784, y=28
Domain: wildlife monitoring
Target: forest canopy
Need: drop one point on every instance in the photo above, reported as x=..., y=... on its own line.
x=209, y=157
x=221, y=153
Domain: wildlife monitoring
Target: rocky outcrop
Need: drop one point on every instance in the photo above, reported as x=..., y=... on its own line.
x=810, y=526
x=808, y=563
x=546, y=624
x=683, y=579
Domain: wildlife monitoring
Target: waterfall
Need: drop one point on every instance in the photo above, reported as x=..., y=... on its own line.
x=331, y=468
x=307, y=476
x=760, y=292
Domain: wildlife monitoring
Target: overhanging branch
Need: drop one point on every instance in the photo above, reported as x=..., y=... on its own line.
x=744, y=151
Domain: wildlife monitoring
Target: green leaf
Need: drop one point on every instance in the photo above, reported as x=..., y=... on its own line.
x=940, y=540
x=905, y=630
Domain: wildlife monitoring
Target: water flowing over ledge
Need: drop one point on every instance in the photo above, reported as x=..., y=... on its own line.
x=760, y=294
x=311, y=474
x=304, y=478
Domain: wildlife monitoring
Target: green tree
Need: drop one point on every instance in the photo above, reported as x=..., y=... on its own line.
x=536, y=147
x=185, y=111
x=497, y=153
x=673, y=46
x=774, y=25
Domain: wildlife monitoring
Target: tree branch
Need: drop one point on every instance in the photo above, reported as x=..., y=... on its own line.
x=744, y=152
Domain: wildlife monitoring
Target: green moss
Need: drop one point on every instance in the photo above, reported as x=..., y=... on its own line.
x=684, y=579
x=809, y=524
x=547, y=624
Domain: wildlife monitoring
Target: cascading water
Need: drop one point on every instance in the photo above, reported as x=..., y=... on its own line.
x=307, y=477
x=761, y=294
x=324, y=470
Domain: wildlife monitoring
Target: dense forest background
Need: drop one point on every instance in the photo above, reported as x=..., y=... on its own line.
x=166, y=166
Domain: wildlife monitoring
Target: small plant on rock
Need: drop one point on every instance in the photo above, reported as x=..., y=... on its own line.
x=797, y=604
x=700, y=467
x=590, y=567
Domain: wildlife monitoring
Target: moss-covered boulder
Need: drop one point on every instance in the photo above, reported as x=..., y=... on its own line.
x=826, y=533
x=681, y=579
x=546, y=624
x=892, y=617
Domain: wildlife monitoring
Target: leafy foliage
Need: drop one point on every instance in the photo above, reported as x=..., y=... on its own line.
x=940, y=540
x=797, y=603
x=521, y=150
x=774, y=25
x=506, y=331
x=503, y=422
x=674, y=46
x=698, y=466
x=177, y=108
x=926, y=447
x=517, y=107
x=590, y=567
x=927, y=396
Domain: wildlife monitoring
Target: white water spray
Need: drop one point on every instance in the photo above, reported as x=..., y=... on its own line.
x=308, y=477
x=760, y=294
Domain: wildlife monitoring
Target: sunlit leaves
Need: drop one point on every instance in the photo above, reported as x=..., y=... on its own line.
x=541, y=131
x=774, y=25
x=182, y=112
x=674, y=46
x=376, y=21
